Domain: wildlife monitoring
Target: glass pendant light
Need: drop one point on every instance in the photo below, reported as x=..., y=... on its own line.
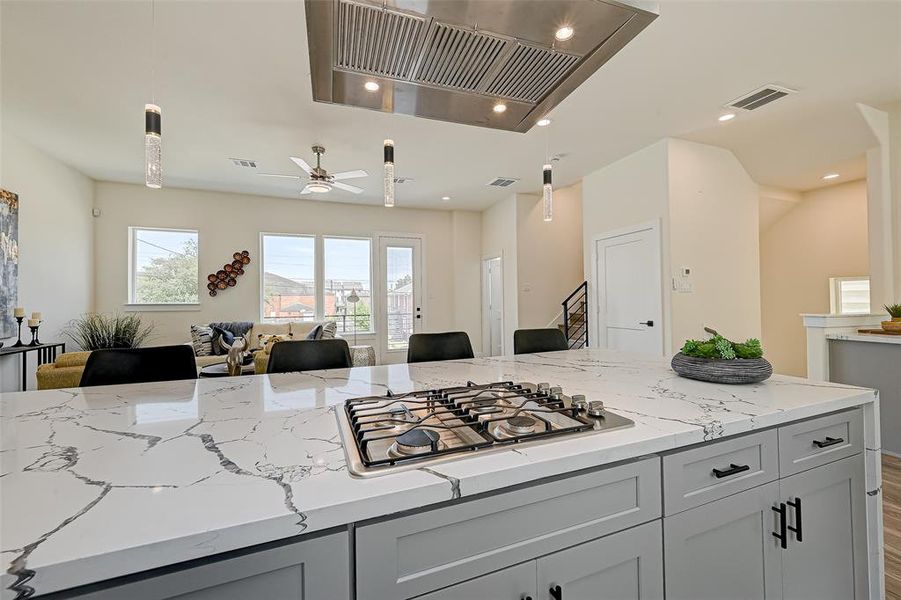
x=153, y=123
x=547, y=195
x=389, y=173
x=153, y=172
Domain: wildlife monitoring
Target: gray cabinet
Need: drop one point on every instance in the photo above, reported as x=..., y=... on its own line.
x=513, y=583
x=314, y=568
x=831, y=559
x=625, y=566
x=725, y=549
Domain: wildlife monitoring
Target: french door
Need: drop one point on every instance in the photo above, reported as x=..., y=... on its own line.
x=400, y=295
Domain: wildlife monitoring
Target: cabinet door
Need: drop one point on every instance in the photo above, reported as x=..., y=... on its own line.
x=831, y=559
x=623, y=566
x=725, y=549
x=316, y=568
x=513, y=583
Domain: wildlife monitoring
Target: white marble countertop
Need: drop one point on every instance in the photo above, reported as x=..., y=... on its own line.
x=101, y=482
x=877, y=338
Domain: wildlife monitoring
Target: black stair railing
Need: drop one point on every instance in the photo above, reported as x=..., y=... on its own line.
x=575, y=317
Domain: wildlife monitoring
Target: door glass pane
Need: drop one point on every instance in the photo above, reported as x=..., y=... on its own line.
x=347, y=271
x=399, y=283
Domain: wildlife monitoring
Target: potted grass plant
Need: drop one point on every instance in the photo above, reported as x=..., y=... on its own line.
x=720, y=360
x=95, y=331
x=894, y=310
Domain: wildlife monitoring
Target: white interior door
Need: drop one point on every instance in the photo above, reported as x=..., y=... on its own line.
x=627, y=283
x=401, y=314
x=493, y=305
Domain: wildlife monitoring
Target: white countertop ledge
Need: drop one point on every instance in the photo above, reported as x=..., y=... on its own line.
x=876, y=338
x=101, y=482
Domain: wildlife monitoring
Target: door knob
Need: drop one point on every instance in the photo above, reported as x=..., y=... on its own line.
x=648, y=323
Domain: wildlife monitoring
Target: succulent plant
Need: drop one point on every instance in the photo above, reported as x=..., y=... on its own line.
x=894, y=310
x=721, y=348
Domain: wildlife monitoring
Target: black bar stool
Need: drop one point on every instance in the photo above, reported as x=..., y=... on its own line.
x=308, y=355
x=529, y=341
x=428, y=347
x=139, y=365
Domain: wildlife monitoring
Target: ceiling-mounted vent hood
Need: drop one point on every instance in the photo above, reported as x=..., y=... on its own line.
x=455, y=60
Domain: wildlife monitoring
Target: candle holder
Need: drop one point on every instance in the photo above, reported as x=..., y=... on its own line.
x=34, y=335
x=19, y=343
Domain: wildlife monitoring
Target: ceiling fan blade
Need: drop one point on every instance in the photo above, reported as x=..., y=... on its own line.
x=301, y=163
x=349, y=175
x=305, y=191
x=347, y=188
x=279, y=175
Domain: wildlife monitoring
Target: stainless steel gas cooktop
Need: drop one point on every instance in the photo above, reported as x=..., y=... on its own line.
x=384, y=434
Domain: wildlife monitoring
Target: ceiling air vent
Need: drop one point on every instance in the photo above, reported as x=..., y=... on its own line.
x=502, y=181
x=243, y=162
x=761, y=97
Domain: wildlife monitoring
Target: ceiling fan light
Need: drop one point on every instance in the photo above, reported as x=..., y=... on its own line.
x=319, y=187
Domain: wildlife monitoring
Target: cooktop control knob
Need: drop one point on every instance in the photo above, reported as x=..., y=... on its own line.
x=543, y=387
x=579, y=402
x=556, y=390
x=596, y=408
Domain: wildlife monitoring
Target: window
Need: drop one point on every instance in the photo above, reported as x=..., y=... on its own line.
x=849, y=295
x=289, y=277
x=347, y=270
x=163, y=266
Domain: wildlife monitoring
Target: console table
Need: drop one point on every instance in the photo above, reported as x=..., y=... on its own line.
x=46, y=354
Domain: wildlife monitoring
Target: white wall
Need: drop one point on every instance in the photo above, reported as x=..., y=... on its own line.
x=230, y=222
x=823, y=236
x=549, y=254
x=630, y=191
x=55, y=242
x=714, y=230
x=708, y=209
x=499, y=239
x=466, y=254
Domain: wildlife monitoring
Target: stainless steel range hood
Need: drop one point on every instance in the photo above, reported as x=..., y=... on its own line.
x=454, y=60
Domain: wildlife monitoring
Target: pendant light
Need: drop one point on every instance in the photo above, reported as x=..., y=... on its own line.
x=389, y=173
x=153, y=124
x=547, y=188
x=547, y=194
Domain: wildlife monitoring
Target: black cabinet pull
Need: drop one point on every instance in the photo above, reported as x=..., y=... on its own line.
x=556, y=592
x=526, y=598
x=732, y=470
x=782, y=536
x=796, y=504
x=829, y=441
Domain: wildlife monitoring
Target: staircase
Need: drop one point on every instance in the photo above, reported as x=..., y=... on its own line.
x=575, y=317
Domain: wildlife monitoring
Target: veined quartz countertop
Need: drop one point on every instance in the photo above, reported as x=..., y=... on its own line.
x=100, y=482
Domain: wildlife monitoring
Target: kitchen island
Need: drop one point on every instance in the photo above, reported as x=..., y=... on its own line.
x=102, y=483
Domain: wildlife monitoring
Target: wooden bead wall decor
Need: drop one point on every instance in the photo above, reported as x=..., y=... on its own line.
x=227, y=276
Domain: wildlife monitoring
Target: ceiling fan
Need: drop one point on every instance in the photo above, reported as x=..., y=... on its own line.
x=321, y=181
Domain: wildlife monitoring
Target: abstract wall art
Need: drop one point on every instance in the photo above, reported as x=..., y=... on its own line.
x=9, y=261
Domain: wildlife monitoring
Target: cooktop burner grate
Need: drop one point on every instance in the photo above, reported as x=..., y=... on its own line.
x=396, y=429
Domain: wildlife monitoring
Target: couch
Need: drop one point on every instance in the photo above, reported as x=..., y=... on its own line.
x=66, y=371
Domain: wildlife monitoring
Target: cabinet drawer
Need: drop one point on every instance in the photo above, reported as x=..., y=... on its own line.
x=812, y=443
x=414, y=554
x=719, y=469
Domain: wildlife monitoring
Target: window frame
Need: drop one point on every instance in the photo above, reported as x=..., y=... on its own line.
x=131, y=301
x=321, y=288
x=835, y=295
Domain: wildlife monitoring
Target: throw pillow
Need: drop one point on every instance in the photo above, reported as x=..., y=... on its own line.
x=221, y=336
x=202, y=340
x=329, y=330
x=315, y=333
x=267, y=341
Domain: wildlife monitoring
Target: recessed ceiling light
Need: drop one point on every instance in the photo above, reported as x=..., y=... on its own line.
x=500, y=107
x=445, y=198
x=371, y=86
x=726, y=117
x=829, y=176
x=544, y=122
x=564, y=33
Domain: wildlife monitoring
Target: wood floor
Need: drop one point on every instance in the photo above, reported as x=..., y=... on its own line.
x=891, y=516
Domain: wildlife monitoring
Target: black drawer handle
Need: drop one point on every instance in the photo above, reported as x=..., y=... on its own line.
x=526, y=598
x=732, y=470
x=796, y=504
x=556, y=592
x=782, y=536
x=829, y=441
